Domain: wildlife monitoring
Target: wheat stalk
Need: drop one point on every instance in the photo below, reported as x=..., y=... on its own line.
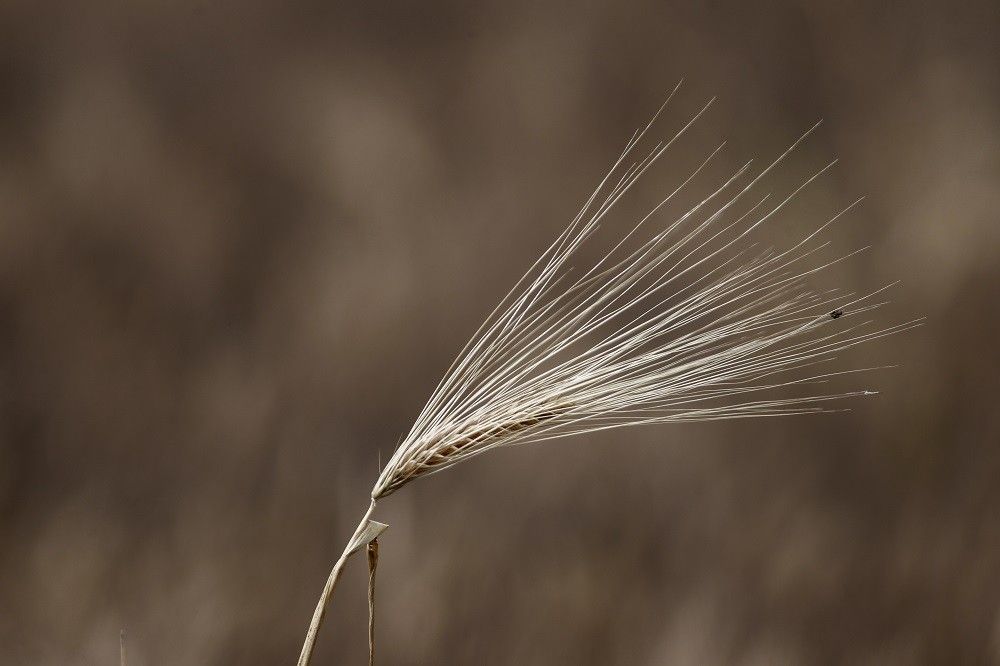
x=695, y=323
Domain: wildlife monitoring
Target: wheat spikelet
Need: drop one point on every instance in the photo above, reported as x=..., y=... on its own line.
x=695, y=323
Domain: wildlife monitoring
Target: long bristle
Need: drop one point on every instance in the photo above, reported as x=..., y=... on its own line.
x=695, y=323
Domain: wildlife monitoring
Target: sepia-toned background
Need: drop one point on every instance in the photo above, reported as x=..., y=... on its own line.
x=241, y=241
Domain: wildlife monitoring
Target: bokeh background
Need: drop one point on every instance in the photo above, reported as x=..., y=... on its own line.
x=241, y=241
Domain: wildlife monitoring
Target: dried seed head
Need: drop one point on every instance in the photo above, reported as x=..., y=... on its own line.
x=446, y=449
x=695, y=323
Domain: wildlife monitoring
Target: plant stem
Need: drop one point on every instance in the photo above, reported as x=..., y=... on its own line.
x=372, y=565
x=331, y=582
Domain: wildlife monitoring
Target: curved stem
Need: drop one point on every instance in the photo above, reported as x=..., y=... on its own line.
x=331, y=582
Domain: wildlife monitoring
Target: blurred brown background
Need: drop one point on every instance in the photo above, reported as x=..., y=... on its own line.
x=240, y=242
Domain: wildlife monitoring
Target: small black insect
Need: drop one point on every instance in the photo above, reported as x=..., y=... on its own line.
x=836, y=314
